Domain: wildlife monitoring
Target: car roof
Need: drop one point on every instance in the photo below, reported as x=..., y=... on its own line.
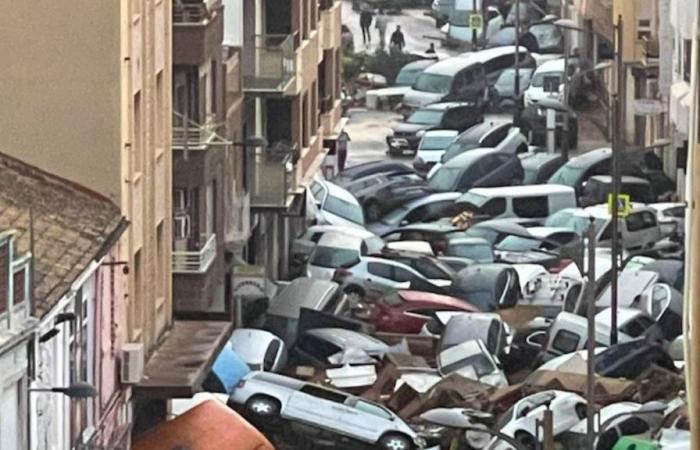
x=591, y=157
x=341, y=193
x=522, y=191
x=544, y=232
x=467, y=158
x=450, y=66
x=437, y=197
x=345, y=338
x=441, y=133
x=301, y=293
x=340, y=240
x=444, y=106
x=554, y=65
x=536, y=159
x=436, y=227
x=478, y=131
x=601, y=211
x=354, y=231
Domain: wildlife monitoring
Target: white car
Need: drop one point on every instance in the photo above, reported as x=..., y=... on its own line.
x=260, y=349
x=304, y=245
x=471, y=360
x=266, y=396
x=334, y=205
x=671, y=217
x=431, y=148
x=383, y=272
x=334, y=250
x=520, y=421
x=546, y=82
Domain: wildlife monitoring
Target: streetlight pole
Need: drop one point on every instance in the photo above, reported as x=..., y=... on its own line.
x=590, y=313
x=516, y=88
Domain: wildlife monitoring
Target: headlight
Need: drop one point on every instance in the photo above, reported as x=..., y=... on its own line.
x=420, y=133
x=420, y=442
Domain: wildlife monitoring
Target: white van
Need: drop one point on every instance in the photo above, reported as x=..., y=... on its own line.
x=463, y=78
x=545, y=82
x=537, y=201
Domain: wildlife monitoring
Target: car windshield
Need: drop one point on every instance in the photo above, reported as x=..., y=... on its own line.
x=479, y=252
x=547, y=80
x=346, y=210
x=445, y=179
x=480, y=363
x=407, y=77
x=425, y=117
x=506, y=81
x=332, y=257
x=430, y=82
x=567, y=175
x=375, y=244
x=435, y=142
x=517, y=244
x=576, y=222
x=395, y=216
x=548, y=36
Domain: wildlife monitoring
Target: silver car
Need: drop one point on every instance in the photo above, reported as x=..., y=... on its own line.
x=268, y=395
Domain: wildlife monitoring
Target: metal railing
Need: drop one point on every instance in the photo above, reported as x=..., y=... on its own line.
x=190, y=13
x=271, y=64
x=272, y=176
x=650, y=50
x=195, y=261
x=196, y=136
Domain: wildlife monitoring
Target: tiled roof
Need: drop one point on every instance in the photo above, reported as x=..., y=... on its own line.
x=71, y=224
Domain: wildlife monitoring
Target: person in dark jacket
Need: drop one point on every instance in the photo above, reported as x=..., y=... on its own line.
x=397, y=41
x=365, y=23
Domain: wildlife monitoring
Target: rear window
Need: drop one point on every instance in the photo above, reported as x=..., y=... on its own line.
x=426, y=117
x=565, y=341
x=531, y=207
x=333, y=257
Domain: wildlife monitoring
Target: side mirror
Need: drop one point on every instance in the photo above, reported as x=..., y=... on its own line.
x=537, y=339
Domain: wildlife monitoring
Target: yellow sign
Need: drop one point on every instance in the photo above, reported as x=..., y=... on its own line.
x=624, y=205
x=476, y=21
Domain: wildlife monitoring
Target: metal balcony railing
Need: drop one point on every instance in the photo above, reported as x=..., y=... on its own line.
x=195, y=261
x=272, y=176
x=271, y=63
x=190, y=13
x=195, y=136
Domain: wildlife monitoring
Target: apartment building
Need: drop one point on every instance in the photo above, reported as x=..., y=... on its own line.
x=291, y=79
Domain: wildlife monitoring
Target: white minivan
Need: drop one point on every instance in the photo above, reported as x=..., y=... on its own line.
x=431, y=148
x=537, y=201
x=545, y=82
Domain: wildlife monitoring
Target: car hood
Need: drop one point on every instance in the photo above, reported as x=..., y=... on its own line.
x=403, y=127
x=319, y=273
x=389, y=92
x=380, y=228
x=416, y=99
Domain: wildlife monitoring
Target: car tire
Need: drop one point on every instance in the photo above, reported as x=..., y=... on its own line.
x=355, y=291
x=372, y=211
x=263, y=406
x=526, y=440
x=395, y=441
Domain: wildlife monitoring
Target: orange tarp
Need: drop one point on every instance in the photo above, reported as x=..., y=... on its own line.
x=210, y=425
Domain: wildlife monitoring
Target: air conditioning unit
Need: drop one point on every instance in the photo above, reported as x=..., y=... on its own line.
x=132, y=363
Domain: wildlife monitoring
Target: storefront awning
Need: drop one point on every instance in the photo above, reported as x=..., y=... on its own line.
x=181, y=363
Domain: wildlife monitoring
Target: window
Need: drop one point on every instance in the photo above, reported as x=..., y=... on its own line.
x=380, y=270
x=531, y=207
x=180, y=200
x=402, y=275
x=137, y=298
x=137, y=142
x=333, y=257
x=637, y=326
x=687, y=48
x=160, y=111
x=271, y=355
x=325, y=394
x=160, y=262
x=492, y=208
x=315, y=237
x=565, y=341
x=493, y=138
x=643, y=29
x=417, y=215
x=373, y=409
x=640, y=221
x=317, y=190
x=431, y=271
x=317, y=348
x=209, y=226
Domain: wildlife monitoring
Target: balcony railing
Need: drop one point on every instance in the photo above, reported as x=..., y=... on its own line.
x=271, y=63
x=194, y=136
x=650, y=51
x=272, y=176
x=190, y=13
x=197, y=261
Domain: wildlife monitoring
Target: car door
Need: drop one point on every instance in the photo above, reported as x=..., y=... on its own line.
x=317, y=406
x=640, y=230
x=366, y=420
x=382, y=272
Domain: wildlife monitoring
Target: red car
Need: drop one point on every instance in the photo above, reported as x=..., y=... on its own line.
x=407, y=311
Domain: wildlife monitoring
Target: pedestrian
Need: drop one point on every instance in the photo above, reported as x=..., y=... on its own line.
x=365, y=23
x=341, y=147
x=431, y=49
x=397, y=41
x=380, y=23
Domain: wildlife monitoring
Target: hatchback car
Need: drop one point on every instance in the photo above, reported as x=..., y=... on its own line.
x=266, y=396
x=425, y=209
x=431, y=148
x=451, y=116
x=485, y=167
x=333, y=205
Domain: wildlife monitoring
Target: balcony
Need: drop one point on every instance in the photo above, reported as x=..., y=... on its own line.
x=193, y=136
x=195, y=261
x=272, y=176
x=650, y=51
x=330, y=23
x=270, y=65
x=198, y=31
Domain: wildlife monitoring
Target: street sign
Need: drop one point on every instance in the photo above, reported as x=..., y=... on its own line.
x=624, y=205
x=476, y=21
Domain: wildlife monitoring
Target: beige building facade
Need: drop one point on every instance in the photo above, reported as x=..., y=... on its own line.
x=87, y=92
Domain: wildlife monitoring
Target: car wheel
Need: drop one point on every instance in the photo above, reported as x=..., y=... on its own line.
x=525, y=439
x=261, y=406
x=395, y=442
x=355, y=294
x=373, y=212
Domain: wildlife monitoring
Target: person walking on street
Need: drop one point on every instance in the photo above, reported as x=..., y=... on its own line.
x=365, y=23
x=397, y=41
x=380, y=23
x=341, y=146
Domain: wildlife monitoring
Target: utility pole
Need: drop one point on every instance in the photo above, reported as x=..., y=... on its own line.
x=474, y=32
x=617, y=149
x=516, y=89
x=590, y=344
x=565, y=95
